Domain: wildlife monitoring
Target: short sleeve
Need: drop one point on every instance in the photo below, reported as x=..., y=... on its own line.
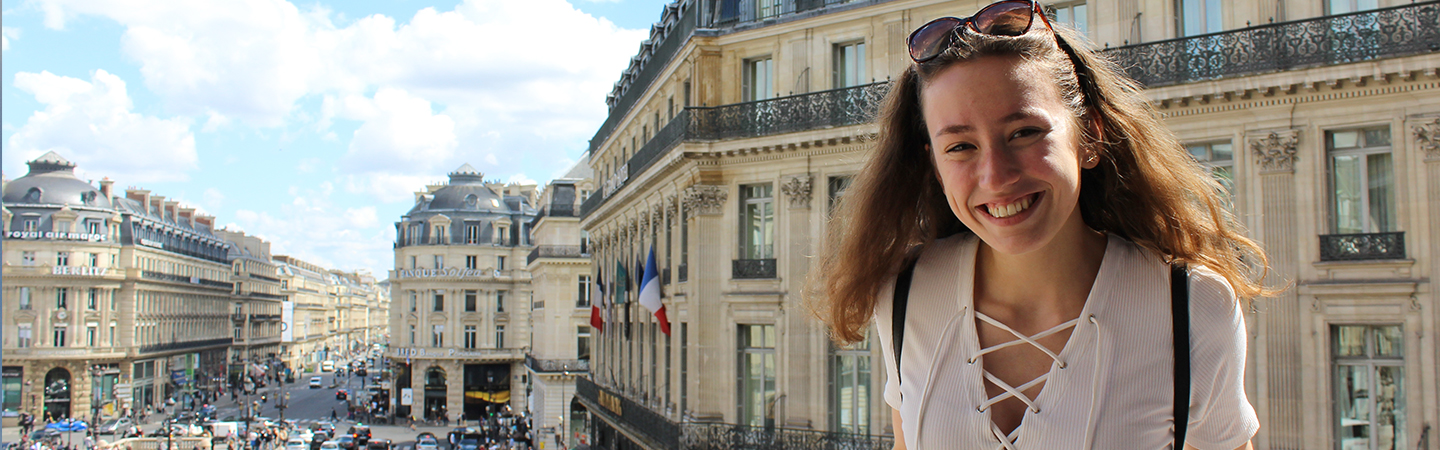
x=884, y=302
x=1221, y=417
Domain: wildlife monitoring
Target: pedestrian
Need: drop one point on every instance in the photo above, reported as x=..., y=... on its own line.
x=1033, y=215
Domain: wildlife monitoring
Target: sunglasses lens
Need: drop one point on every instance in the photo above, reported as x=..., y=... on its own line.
x=928, y=41
x=1010, y=18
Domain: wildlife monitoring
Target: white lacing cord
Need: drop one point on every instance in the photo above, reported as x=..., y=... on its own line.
x=1007, y=440
x=1102, y=371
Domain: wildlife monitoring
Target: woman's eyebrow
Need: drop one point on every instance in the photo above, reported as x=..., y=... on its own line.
x=1016, y=116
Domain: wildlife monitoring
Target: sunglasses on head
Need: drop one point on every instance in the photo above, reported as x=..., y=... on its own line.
x=1004, y=18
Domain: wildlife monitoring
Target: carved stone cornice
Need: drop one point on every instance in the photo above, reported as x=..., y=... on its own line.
x=797, y=188
x=672, y=206
x=1276, y=152
x=705, y=199
x=1427, y=138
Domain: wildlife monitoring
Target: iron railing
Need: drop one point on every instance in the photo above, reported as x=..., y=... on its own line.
x=752, y=268
x=555, y=251
x=1362, y=247
x=556, y=365
x=1342, y=38
x=742, y=12
x=642, y=74
x=184, y=279
x=621, y=409
x=683, y=272
x=264, y=295
x=185, y=345
x=724, y=436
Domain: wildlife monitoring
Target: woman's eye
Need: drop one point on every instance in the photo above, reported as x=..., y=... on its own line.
x=959, y=147
x=1026, y=132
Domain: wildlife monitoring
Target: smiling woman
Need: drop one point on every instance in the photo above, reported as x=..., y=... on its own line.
x=1027, y=207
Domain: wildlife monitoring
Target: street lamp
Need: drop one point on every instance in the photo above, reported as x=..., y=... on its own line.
x=281, y=403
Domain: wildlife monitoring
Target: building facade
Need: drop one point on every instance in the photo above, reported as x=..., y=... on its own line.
x=111, y=301
x=560, y=273
x=255, y=309
x=459, y=320
x=740, y=123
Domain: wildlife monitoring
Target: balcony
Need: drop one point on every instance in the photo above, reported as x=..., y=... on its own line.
x=161, y=276
x=1362, y=247
x=190, y=345
x=752, y=268
x=1339, y=39
x=684, y=272
x=556, y=251
x=617, y=408
x=567, y=366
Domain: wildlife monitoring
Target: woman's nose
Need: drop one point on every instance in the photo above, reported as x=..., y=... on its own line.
x=998, y=167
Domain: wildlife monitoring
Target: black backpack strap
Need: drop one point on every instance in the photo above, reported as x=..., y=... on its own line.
x=1180, y=314
x=897, y=313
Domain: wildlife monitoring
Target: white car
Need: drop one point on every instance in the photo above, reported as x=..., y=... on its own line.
x=427, y=444
x=330, y=445
x=304, y=435
x=296, y=444
x=315, y=382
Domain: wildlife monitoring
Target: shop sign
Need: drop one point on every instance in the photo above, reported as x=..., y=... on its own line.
x=452, y=272
x=437, y=353
x=407, y=396
x=80, y=270
x=610, y=402
x=150, y=243
x=54, y=236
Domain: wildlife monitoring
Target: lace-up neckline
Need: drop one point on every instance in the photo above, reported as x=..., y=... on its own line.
x=1007, y=440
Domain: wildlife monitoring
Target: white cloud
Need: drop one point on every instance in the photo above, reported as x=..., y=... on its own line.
x=520, y=178
x=311, y=227
x=6, y=34
x=389, y=187
x=91, y=123
x=212, y=198
x=399, y=134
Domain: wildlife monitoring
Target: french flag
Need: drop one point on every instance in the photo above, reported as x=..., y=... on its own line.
x=650, y=293
x=598, y=297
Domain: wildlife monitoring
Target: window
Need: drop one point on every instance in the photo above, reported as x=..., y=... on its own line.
x=62, y=226
x=111, y=297
x=94, y=260
x=413, y=234
x=472, y=262
x=62, y=258
x=1070, y=14
x=582, y=342
x=757, y=222
x=1196, y=17
x=684, y=366
x=92, y=299
x=1369, y=362
x=767, y=8
x=439, y=301
x=62, y=298
x=499, y=336
x=499, y=301
x=440, y=236
x=112, y=334
x=439, y=261
x=90, y=334
x=27, y=258
x=582, y=292
x=469, y=336
x=684, y=239
x=850, y=381
x=757, y=374
x=25, y=334
x=1349, y=6
x=502, y=236
x=1219, y=158
x=437, y=336
x=94, y=227
x=58, y=338
x=470, y=296
x=836, y=187
x=32, y=224
x=414, y=299
x=849, y=64
x=412, y=262
x=758, y=78
x=412, y=334
x=500, y=262
x=25, y=298
x=1361, y=181
x=472, y=233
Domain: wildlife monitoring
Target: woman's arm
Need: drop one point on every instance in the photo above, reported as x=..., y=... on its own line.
x=900, y=431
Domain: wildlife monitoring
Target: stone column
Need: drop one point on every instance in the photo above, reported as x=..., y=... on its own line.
x=1427, y=139
x=805, y=405
x=710, y=261
x=1280, y=388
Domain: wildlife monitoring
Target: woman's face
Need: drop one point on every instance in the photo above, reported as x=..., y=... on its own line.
x=1006, y=150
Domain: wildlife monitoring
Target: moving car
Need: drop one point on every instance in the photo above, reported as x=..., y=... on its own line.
x=296, y=444
x=315, y=382
x=378, y=444
x=341, y=394
x=330, y=445
x=361, y=434
x=428, y=443
x=44, y=434
x=346, y=442
x=113, y=426
x=327, y=366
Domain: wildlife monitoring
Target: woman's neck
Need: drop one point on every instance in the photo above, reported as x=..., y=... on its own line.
x=1057, y=277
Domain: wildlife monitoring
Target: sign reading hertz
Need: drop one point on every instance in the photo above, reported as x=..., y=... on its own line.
x=79, y=270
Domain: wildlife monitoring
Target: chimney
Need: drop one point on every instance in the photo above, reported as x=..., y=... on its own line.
x=184, y=217
x=140, y=196
x=170, y=207
x=156, y=206
x=105, y=186
x=204, y=221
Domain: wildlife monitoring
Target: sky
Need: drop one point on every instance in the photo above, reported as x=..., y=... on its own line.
x=310, y=124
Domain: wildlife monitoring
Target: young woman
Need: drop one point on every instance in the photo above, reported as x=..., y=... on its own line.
x=1042, y=204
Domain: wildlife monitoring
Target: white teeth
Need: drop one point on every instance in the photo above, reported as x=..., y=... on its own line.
x=1003, y=211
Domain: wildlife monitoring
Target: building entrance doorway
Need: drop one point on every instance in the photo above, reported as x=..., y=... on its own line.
x=57, y=394
x=435, y=386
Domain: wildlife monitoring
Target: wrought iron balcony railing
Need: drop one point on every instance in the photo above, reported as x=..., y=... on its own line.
x=555, y=251
x=619, y=408
x=684, y=273
x=724, y=436
x=752, y=268
x=738, y=13
x=185, y=345
x=1362, y=247
x=574, y=366
x=153, y=275
x=1343, y=38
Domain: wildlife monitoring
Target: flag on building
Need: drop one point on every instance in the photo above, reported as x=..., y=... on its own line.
x=596, y=297
x=621, y=279
x=650, y=293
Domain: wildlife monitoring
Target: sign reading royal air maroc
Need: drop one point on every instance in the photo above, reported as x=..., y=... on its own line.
x=55, y=235
x=452, y=272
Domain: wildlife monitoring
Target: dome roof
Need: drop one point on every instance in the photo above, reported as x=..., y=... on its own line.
x=466, y=191
x=52, y=181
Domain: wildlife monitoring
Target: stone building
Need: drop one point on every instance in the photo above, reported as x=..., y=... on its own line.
x=560, y=273
x=111, y=301
x=257, y=303
x=739, y=123
x=459, y=317
x=310, y=312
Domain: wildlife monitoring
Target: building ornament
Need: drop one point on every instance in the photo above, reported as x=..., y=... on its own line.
x=797, y=188
x=1427, y=135
x=672, y=206
x=705, y=199
x=1276, y=151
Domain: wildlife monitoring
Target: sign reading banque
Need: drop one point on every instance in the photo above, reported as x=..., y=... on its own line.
x=452, y=272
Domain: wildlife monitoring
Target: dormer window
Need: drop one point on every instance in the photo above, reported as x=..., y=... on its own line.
x=471, y=200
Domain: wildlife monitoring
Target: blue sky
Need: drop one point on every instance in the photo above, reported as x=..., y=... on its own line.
x=310, y=124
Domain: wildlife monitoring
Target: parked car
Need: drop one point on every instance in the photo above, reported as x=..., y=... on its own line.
x=378, y=444
x=113, y=426
x=346, y=442
x=316, y=382
x=296, y=444
x=427, y=444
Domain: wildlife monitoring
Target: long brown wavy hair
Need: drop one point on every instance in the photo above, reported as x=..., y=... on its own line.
x=1146, y=188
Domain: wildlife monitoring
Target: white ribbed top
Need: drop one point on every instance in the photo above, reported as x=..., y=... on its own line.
x=1115, y=390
